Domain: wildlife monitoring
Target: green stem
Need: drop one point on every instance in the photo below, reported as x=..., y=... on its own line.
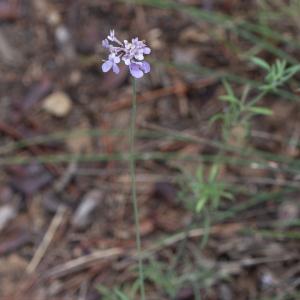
x=133, y=190
x=257, y=99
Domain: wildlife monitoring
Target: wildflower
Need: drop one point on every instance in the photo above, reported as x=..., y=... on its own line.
x=137, y=69
x=131, y=53
x=112, y=62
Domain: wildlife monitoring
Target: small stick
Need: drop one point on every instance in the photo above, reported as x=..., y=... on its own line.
x=193, y=233
x=82, y=262
x=67, y=176
x=40, y=252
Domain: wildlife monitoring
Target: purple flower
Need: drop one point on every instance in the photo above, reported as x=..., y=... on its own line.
x=137, y=69
x=146, y=67
x=112, y=62
x=131, y=53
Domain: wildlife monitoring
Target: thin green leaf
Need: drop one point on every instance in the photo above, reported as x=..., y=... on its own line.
x=229, y=98
x=261, y=63
x=213, y=173
x=216, y=118
x=228, y=88
x=200, y=204
x=121, y=295
x=260, y=110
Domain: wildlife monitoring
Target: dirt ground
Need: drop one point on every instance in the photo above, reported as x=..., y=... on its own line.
x=66, y=222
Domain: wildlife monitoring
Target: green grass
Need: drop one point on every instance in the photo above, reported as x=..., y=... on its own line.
x=236, y=155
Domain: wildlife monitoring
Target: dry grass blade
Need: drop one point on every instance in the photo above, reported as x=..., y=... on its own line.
x=41, y=250
x=82, y=262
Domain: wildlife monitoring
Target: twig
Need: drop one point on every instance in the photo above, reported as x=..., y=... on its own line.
x=83, y=290
x=40, y=252
x=193, y=233
x=82, y=262
x=67, y=176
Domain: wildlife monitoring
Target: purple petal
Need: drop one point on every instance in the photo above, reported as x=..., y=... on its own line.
x=135, y=71
x=147, y=50
x=105, y=43
x=139, y=56
x=145, y=67
x=126, y=60
x=116, y=69
x=135, y=40
x=117, y=60
x=106, y=66
x=111, y=36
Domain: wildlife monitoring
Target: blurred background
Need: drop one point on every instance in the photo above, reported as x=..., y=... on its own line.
x=218, y=167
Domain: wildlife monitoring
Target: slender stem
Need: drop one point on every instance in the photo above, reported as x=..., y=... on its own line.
x=133, y=190
x=257, y=98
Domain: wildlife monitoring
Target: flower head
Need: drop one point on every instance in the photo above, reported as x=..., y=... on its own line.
x=131, y=53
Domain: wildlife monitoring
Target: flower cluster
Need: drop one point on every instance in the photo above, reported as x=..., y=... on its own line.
x=132, y=54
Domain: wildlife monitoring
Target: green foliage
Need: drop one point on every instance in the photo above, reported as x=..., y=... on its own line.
x=277, y=73
x=168, y=281
x=240, y=110
x=261, y=63
x=209, y=192
x=119, y=293
x=112, y=294
x=162, y=276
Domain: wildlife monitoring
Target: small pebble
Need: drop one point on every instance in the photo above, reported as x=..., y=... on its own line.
x=58, y=104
